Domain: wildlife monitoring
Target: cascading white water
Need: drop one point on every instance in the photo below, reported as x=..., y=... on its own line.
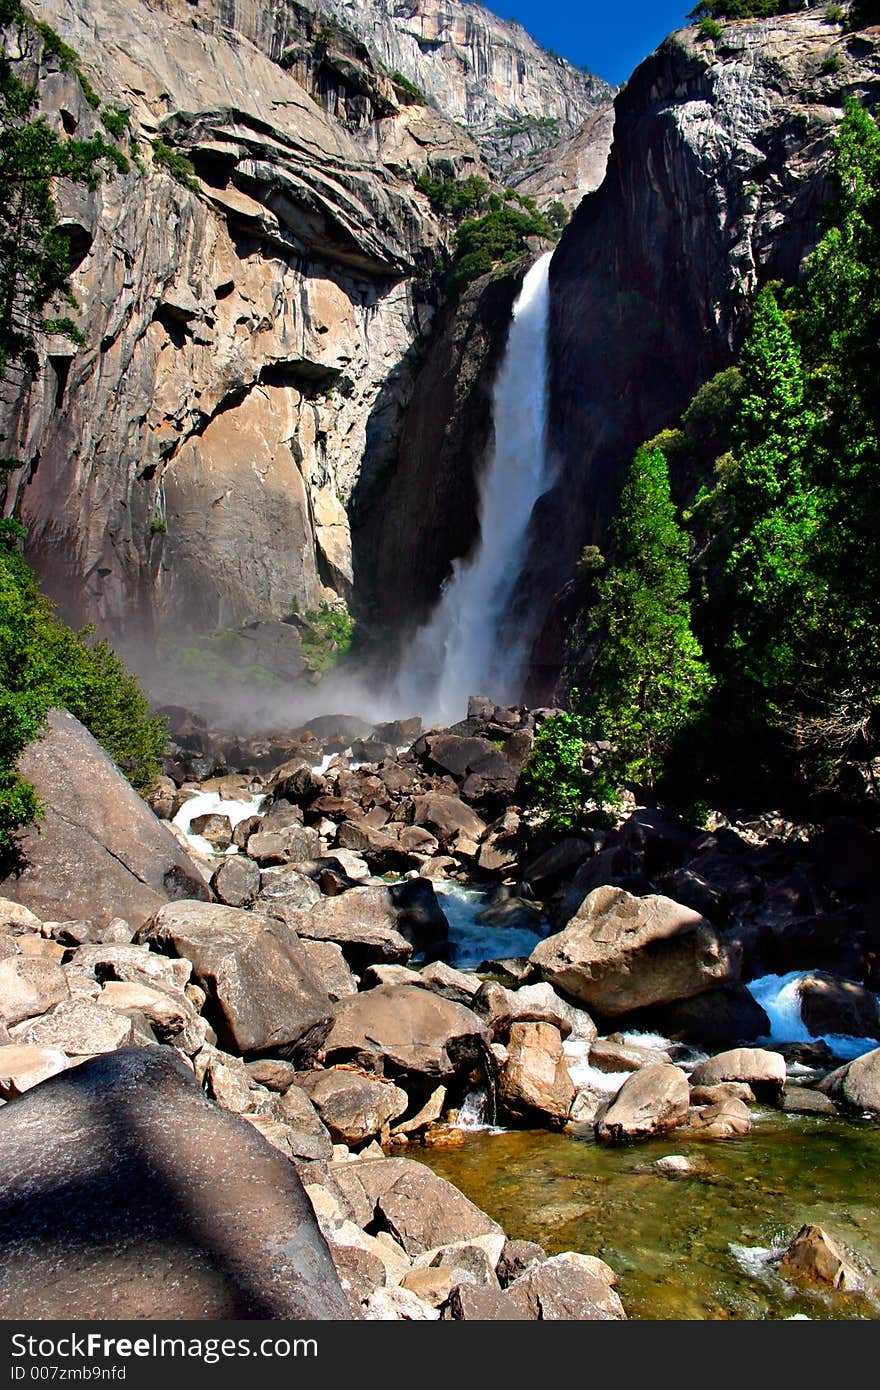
x=456, y=654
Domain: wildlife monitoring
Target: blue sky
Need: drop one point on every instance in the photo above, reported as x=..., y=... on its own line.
x=610, y=37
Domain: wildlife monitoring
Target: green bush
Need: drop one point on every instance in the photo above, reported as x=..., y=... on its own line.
x=175, y=164
x=115, y=119
x=738, y=9
x=454, y=197
x=409, y=89
x=835, y=14
x=499, y=236
x=831, y=64
x=710, y=29
x=45, y=664
x=554, y=781
x=327, y=634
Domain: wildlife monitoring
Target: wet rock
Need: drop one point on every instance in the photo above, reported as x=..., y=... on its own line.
x=814, y=1258
x=764, y=1071
x=716, y=1018
x=856, y=1086
x=192, y=1214
x=291, y=845
x=243, y=831
x=214, y=828
x=512, y=912
x=354, y=1107
x=729, y=1119
x=263, y=995
x=831, y=1005
x=620, y=953
x=236, y=882
x=535, y=1077
x=99, y=851
x=23, y=1066
x=802, y=1100
x=652, y=1101
x=722, y=1091
x=611, y=1056
x=79, y=1027
x=405, y=1029
x=675, y=1166
x=29, y=986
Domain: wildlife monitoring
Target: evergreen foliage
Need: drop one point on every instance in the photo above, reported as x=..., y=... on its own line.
x=499, y=236
x=45, y=664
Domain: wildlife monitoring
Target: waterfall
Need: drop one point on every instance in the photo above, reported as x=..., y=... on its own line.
x=457, y=652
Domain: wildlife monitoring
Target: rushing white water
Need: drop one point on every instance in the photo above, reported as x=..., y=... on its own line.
x=457, y=653
x=471, y=942
x=212, y=803
x=780, y=998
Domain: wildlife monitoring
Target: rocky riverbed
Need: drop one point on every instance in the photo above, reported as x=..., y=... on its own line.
x=248, y=1036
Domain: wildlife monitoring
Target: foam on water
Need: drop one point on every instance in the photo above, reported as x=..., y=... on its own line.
x=212, y=803
x=577, y=1058
x=471, y=941
x=780, y=998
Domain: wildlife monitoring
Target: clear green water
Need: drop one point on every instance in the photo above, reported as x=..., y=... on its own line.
x=670, y=1239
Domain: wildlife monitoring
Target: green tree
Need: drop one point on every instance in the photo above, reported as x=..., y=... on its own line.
x=648, y=678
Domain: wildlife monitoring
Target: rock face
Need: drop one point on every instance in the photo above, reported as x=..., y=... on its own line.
x=482, y=71
x=245, y=335
x=99, y=851
x=151, y=1203
x=620, y=952
x=263, y=992
x=714, y=186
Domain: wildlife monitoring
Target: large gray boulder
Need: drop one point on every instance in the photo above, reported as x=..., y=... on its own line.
x=98, y=852
x=620, y=953
x=756, y=1066
x=404, y=1029
x=128, y=1194
x=535, y=1078
x=832, y=1005
x=857, y=1085
x=263, y=993
x=652, y=1101
x=29, y=986
x=419, y=1209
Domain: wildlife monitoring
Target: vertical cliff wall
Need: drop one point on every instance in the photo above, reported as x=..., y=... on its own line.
x=715, y=185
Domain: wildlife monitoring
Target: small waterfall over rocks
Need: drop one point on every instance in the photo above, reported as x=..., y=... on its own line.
x=457, y=653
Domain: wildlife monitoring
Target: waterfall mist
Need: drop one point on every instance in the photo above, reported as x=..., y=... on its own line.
x=457, y=653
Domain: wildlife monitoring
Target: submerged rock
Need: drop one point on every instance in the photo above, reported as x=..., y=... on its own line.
x=814, y=1258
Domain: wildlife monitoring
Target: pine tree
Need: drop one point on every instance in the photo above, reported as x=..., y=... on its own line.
x=648, y=679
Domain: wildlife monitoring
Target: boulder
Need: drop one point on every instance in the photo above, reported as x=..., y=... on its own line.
x=512, y=912
x=716, y=1018
x=831, y=1005
x=729, y=1119
x=99, y=851
x=502, y=1007
x=652, y=1101
x=815, y=1259
x=128, y=961
x=263, y=995
x=459, y=985
x=29, y=986
x=803, y=1100
x=17, y=919
x=291, y=845
x=405, y=1029
x=272, y=1072
x=535, y=1077
x=23, y=1066
x=420, y=1210
x=468, y=1303
x=376, y=924
x=79, y=1027
x=856, y=1086
x=448, y=818
x=237, y=881
x=328, y=963
x=151, y=1204
x=289, y=886
x=354, y=1107
x=214, y=828
x=167, y=1014
x=609, y=1056
x=620, y=953
x=398, y=1305
x=516, y=1257
x=756, y=1066
x=569, y=1288
x=382, y=852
